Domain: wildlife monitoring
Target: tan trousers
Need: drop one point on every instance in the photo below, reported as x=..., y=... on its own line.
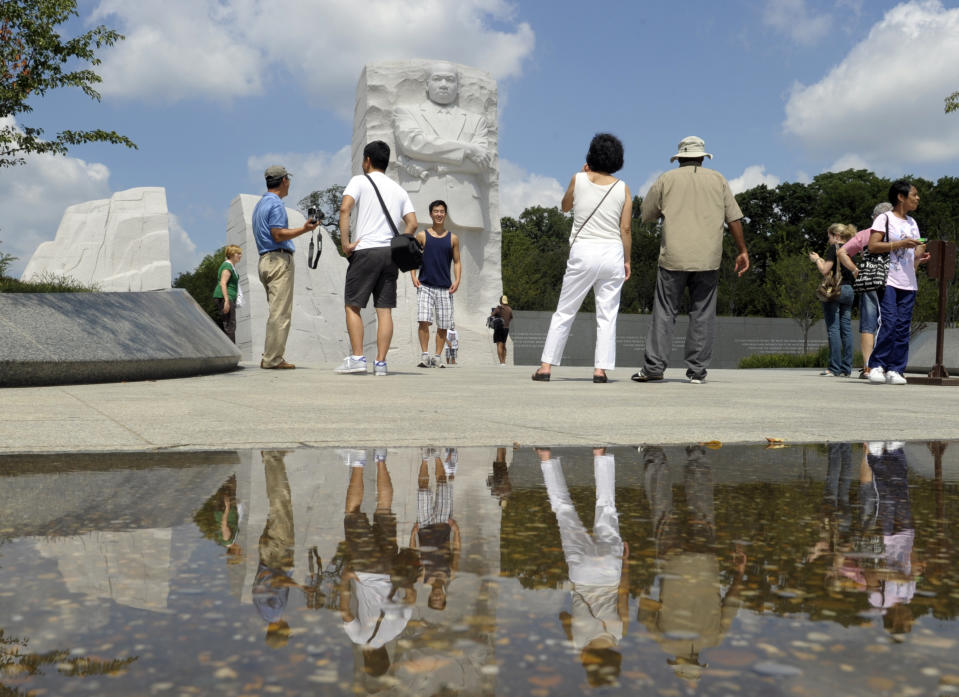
x=276, y=275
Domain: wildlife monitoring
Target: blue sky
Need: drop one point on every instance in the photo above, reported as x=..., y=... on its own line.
x=213, y=91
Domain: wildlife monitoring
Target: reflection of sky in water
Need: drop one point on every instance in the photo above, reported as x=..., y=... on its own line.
x=814, y=570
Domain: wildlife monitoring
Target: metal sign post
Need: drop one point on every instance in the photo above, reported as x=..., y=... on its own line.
x=941, y=265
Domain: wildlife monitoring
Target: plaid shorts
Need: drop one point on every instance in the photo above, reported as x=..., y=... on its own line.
x=429, y=299
x=432, y=508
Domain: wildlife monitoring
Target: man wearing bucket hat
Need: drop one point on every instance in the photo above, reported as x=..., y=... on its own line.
x=274, y=242
x=694, y=203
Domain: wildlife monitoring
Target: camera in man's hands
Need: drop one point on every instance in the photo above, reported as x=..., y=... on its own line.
x=315, y=214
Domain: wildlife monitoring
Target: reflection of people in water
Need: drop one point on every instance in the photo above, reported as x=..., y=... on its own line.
x=499, y=484
x=219, y=519
x=600, y=578
x=377, y=587
x=691, y=613
x=436, y=533
x=271, y=586
x=836, y=524
x=887, y=511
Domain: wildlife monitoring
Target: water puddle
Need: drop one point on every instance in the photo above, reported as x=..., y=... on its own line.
x=816, y=569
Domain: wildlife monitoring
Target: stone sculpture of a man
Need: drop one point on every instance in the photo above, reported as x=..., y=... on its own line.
x=444, y=151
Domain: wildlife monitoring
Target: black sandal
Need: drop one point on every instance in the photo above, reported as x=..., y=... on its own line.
x=541, y=377
x=600, y=378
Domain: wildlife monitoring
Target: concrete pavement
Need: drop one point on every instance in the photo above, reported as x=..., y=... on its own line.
x=466, y=406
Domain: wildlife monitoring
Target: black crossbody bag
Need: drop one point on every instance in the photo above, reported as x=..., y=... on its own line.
x=405, y=250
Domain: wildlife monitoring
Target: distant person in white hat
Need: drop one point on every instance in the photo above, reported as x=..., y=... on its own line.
x=695, y=205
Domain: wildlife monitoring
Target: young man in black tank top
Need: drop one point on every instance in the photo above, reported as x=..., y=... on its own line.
x=434, y=286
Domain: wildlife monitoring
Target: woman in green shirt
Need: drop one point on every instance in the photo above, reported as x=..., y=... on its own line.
x=226, y=291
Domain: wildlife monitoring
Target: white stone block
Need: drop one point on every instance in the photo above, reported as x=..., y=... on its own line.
x=433, y=146
x=120, y=244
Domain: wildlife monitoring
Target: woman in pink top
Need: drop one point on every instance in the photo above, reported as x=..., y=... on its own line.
x=868, y=299
x=896, y=234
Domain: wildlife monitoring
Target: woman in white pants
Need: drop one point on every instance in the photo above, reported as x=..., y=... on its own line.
x=598, y=256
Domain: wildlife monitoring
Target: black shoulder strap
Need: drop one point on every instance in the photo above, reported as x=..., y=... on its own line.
x=386, y=212
x=311, y=260
x=611, y=186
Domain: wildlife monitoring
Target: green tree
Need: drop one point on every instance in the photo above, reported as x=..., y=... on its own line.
x=535, y=249
x=792, y=282
x=5, y=261
x=35, y=58
x=328, y=200
x=952, y=102
x=200, y=282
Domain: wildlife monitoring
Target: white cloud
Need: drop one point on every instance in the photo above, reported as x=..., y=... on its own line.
x=796, y=20
x=312, y=171
x=884, y=101
x=650, y=180
x=848, y=161
x=33, y=197
x=519, y=189
x=754, y=175
x=231, y=48
x=183, y=253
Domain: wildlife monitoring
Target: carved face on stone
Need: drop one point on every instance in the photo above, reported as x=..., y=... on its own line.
x=442, y=85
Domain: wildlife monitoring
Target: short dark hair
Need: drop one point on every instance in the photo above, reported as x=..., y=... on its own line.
x=602, y=666
x=899, y=188
x=438, y=202
x=376, y=661
x=605, y=153
x=379, y=154
x=274, y=183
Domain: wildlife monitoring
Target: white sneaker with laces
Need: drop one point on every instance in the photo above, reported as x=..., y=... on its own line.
x=425, y=361
x=877, y=376
x=894, y=378
x=379, y=368
x=352, y=457
x=352, y=365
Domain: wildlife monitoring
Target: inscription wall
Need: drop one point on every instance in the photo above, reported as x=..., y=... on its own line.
x=736, y=338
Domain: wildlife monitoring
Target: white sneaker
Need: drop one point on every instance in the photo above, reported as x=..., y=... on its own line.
x=425, y=361
x=352, y=457
x=877, y=376
x=379, y=368
x=352, y=365
x=894, y=378
x=437, y=362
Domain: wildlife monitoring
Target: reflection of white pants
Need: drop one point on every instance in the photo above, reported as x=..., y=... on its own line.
x=595, y=559
x=596, y=265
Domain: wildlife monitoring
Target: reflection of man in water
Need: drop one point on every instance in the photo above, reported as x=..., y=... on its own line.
x=436, y=533
x=691, y=613
x=444, y=151
x=372, y=605
x=600, y=595
x=271, y=586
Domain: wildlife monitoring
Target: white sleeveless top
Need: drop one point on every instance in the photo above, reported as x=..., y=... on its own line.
x=604, y=225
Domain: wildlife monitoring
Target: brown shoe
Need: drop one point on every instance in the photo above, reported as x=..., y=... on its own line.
x=282, y=365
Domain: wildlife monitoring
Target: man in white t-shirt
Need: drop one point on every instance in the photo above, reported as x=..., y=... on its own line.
x=371, y=270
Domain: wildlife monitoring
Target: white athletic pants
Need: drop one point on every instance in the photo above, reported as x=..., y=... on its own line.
x=596, y=265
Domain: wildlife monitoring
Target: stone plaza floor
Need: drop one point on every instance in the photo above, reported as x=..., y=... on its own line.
x=467, y=406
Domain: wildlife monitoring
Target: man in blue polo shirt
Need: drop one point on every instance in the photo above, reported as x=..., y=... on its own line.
x=274, y=242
